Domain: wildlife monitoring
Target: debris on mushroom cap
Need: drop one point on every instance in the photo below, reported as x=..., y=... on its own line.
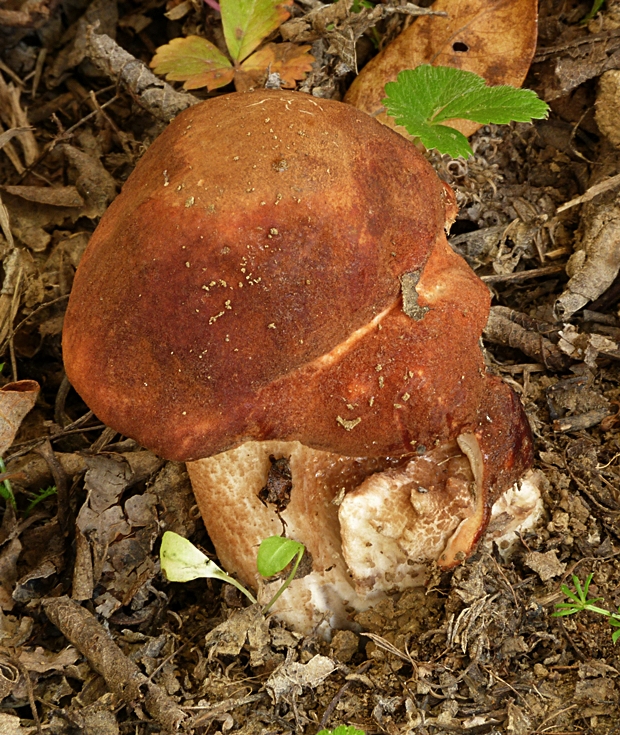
x=276, y=269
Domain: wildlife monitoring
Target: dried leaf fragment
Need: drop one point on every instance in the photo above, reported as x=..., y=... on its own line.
x=290, y=61
x=16, y=400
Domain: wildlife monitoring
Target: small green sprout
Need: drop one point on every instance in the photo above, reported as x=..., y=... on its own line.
x=6, y=491
x=275, y=554
x=181, y=561
x=424, y=98
x=579, y=602
x=596, y=6
x=38, y=497
x=342, y=730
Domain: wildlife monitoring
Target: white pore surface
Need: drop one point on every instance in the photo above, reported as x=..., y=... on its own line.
x=398, y=521
x=515, y=512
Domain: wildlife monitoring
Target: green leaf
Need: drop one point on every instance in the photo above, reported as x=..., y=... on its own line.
x=423, y=98
x=275, y=553
x=563, y=609
x=6, y=490
x=195, y=61
x=342, y=730
x=615, y=636
x=596, y=6
x=248, y=22
x=38, y=498
x=181, y=561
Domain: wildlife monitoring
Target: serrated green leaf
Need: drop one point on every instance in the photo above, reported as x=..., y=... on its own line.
x=275, y=553
x=248, y=22
x=195, y=61
x=423, y=98
x=499, y=105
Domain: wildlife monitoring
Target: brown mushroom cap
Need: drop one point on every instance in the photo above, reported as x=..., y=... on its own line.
x=251, y=282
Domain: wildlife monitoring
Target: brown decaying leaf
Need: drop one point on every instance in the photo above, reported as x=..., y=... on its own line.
x=290, y=61
x=16, y=399
x=493, y=38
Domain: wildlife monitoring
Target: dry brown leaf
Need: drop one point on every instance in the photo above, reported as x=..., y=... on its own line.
x=290, y=61
x=493, y=38
x=56, y=196
x=16, y=399
x=40, y=661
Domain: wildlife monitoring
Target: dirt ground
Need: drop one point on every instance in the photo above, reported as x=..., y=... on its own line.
x=478, y=651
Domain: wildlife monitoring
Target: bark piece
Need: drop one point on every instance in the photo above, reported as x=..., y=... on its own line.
x=156, y=96
x=121, y=674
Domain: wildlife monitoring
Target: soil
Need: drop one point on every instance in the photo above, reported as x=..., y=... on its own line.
x=478, y=651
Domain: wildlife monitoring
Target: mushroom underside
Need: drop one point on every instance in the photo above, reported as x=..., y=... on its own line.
x=371, y=526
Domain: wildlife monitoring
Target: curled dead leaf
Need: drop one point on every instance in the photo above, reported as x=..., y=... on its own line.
x=493, y=38
x=16, y=400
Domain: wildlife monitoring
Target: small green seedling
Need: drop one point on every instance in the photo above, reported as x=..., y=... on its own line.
x=275, y=554
x=6, y=491
x=181, y=561
x=343, y=730
x=596, y=6
x=424, y=98
x=39, y=497
x=579, y=601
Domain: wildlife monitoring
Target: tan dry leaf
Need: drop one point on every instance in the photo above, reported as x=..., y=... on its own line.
x=40, y=661
x=290, y=61
x=493, y=38
x=16, y=399
x=56, y=196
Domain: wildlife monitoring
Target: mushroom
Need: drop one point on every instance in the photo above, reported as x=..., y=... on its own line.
x=274, y=283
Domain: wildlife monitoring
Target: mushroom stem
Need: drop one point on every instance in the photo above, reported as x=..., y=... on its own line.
x=370, y=526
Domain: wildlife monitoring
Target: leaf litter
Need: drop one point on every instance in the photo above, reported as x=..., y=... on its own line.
x=476, y=652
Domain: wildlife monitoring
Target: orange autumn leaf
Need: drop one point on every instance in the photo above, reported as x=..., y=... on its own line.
x=194, y=61
x=290, y=61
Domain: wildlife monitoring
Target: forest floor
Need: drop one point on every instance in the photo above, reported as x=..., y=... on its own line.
x=479, y=652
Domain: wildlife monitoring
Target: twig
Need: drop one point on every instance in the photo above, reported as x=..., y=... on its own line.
x=60, y=480
x=332, y=705
x=31, y=701
x=548, y=270
x=593, y=191
x=153, y=94
x=121, y=674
